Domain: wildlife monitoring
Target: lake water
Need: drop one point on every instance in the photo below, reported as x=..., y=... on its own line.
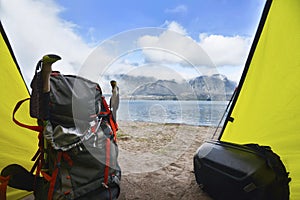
x=202, y=113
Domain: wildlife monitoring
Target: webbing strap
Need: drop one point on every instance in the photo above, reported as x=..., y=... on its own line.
x=37, y=165
x=46, y=176
x=36, y=155
x=112, y=123
x=34, y=128
x=3, y=186
x=39, y=156
x=107, y=161
x=105, y=104
x=113, y=127
x=52, y=179
x=66, y=179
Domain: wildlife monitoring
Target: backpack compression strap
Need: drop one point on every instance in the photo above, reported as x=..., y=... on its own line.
x=52, y=179
x=112, y=122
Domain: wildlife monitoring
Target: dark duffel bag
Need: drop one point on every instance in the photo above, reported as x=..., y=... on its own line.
x=231, y=171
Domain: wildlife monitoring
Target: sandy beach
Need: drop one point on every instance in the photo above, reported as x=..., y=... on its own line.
x=157, y=160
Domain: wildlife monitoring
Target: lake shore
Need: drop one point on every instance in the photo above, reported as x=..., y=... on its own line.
x=157, y=160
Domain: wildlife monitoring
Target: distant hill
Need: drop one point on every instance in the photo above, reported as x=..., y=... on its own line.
x=215, y=87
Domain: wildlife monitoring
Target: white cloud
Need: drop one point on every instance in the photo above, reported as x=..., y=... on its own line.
x=218, y=53
x=211, y=50
x=226, y=50
x=172, y=47
x=35, y=29
x=177, y=9
x=174, y=26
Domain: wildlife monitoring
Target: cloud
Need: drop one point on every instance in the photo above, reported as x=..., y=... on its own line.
x=173, y=47
x=226, y=50
x=174, y=26
x=177, y=9
x=211, y=54
x=35, y=29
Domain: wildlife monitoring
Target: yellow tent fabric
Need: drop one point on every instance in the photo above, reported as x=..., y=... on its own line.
x=17, y=145
x=267, y=110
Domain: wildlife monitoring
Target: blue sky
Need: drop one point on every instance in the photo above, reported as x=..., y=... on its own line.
x=223, y=30
x=107, y=18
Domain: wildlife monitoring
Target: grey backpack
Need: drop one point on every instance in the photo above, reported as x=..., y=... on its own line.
x=78, y=152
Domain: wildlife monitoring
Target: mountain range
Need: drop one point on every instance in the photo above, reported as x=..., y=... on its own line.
x=215, y=88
